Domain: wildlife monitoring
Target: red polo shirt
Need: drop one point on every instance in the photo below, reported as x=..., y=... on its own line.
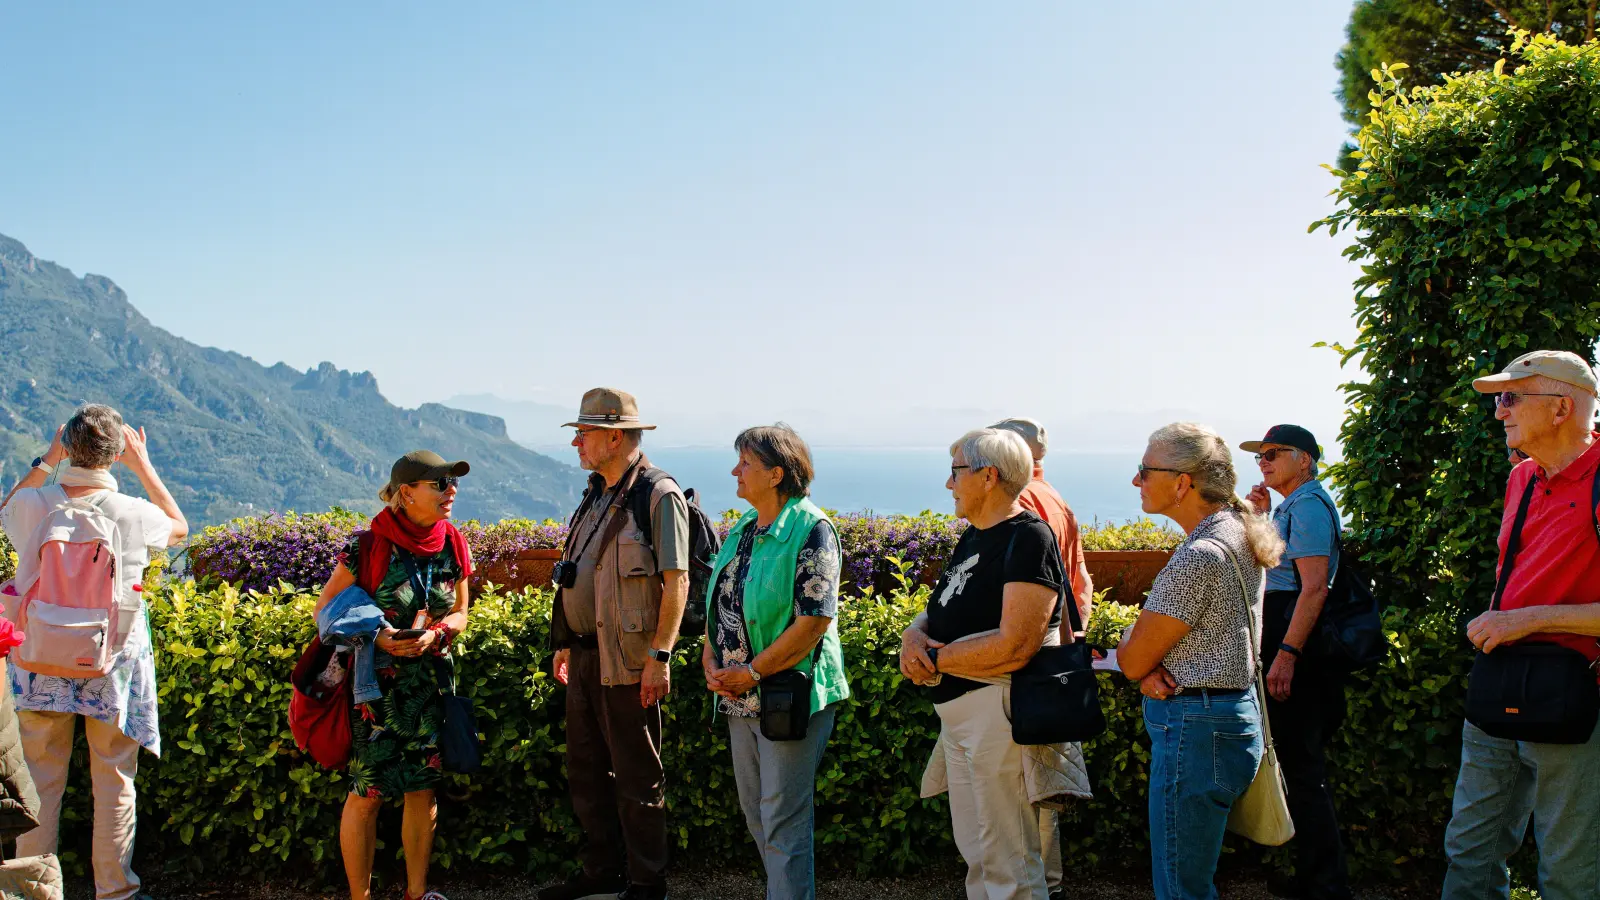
x=1559, y=558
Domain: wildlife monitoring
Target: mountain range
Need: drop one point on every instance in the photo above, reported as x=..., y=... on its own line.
x=230, y=436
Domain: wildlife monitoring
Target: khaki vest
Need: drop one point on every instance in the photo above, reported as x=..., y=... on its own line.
x=627, y=591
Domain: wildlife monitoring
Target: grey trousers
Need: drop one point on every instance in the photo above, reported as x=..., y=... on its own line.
x=777, y=783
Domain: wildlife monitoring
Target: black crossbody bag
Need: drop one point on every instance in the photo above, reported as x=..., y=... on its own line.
x=786, y=701
x=1533, y=691
x=1055, y=698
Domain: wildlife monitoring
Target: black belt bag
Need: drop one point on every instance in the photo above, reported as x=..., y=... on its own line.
x=1055, y=697
x=1532, y=691
x=785, y=705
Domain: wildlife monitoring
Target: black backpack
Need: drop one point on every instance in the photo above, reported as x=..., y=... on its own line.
x=704, y=542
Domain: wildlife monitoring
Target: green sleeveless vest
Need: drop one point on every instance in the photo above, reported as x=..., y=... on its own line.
x=769, y=594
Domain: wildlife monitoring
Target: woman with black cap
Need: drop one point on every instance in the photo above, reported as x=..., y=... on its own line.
x=414, y=565
x=1305, y=698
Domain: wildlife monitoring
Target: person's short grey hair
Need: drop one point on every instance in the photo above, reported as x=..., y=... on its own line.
x=1004, y=451
x=93, y=437
x=1031, y=431
x=1583, y=402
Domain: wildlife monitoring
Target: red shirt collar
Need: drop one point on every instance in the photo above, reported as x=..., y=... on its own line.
x=1581, y=469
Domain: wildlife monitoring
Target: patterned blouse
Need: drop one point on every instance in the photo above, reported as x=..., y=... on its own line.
x=1200, y=587
x=816, y=593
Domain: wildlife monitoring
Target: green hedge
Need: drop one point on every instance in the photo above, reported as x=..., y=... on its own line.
x=232, y=797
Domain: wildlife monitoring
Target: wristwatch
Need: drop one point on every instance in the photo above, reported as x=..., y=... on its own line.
x=39, y=463
x=754, y=675
x=661, y=656
x=933, y=658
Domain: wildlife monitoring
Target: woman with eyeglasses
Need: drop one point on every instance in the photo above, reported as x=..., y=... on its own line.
x=1305, y=697
x=412, y=565
x=998, y=598
x=1192, y=654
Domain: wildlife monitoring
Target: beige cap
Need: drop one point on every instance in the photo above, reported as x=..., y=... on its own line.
x=609, y=408
x=1567, y=368
x=1031, y=432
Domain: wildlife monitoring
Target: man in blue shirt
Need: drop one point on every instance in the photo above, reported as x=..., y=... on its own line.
x=1305, y=701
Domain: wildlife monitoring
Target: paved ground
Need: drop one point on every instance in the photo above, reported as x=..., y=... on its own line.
x=714, y=886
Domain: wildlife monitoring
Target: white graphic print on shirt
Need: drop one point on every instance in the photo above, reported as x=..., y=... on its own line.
x=958, y=579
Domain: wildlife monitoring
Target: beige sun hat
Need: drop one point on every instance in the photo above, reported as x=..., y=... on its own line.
x=1567, y=368
x=609, y=408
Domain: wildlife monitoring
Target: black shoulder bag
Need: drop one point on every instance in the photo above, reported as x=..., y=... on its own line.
x=1055, y=698
x=786, y=701
x=1533, y=691
x=1349, y=635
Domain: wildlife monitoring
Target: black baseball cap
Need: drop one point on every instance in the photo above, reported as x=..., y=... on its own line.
x=420, y=465
x=1287, y=436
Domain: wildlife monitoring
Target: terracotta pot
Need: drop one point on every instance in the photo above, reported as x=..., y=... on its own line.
x=530, y=567
x=1128, y=574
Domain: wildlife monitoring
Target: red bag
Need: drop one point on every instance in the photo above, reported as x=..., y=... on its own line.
x=319, y=714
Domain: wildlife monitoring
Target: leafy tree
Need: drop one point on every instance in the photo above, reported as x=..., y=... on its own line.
x=1437, y=38
x=1473, y=208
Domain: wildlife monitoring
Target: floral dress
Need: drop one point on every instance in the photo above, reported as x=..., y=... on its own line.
x=816, y=593
x=395, y=749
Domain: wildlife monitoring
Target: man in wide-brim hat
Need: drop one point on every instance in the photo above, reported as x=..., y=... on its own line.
x=621, y=589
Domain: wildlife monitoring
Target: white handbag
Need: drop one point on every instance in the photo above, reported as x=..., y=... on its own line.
x=1261, y=813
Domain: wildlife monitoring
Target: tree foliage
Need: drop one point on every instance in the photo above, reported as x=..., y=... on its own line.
x=1473, y=207
x=1437, y=38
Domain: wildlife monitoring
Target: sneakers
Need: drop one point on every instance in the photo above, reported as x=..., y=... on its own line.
x=581, y=886
x=644, y=892
x=427, y=895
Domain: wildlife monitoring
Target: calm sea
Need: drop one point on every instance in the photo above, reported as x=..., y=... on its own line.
x=891, y=481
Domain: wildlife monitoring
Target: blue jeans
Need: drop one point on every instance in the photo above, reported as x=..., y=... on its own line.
x=1203, y=754
x=1501, y=786
x=777, y=782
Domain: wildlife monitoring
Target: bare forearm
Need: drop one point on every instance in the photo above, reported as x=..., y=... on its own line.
x=162, y=498
x=793, y=646
x=674, y=596
x=1575, y=619
x=988, y=656
x=35, y=478
x=1306, y=610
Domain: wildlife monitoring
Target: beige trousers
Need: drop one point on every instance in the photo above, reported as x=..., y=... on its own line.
x=996, y=828
x=1050, y=842
x=113, y=761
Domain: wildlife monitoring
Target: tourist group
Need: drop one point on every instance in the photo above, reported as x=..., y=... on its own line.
x=1239, y=691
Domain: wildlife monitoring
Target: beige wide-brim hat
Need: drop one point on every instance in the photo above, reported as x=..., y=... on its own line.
x=1567, y=368
x=609, y=408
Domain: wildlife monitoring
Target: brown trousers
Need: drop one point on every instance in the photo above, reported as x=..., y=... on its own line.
x=614, y=773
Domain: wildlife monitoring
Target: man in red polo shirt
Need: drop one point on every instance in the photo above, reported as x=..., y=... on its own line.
x=1546, y=400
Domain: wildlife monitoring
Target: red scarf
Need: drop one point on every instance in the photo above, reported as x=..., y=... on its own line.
x=389, y=530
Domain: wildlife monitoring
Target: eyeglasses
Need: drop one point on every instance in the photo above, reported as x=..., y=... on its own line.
x=1144, y=470
x=441, y=484
x=1508, y=399
x=1273, y=454
x=955, y=469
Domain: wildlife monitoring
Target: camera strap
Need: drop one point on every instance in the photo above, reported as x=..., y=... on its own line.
x=615, y=524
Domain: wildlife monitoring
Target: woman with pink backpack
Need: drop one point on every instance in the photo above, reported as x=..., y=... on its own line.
x=82, y=548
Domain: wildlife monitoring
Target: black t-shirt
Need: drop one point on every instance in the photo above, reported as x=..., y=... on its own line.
x=970, y=595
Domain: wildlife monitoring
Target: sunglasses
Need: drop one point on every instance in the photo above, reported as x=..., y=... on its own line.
x=1272, y=455
x=441, y=484
x=1508, y=399
x=1145, y=470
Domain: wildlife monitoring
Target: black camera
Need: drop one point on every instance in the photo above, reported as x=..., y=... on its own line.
x=565, y=574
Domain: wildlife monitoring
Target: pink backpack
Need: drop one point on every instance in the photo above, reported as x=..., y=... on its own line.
x=74, y=616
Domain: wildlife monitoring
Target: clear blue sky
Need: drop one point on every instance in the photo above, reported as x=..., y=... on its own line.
x=881, y=221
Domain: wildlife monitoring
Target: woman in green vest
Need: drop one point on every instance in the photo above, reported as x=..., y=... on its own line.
x=772, y=601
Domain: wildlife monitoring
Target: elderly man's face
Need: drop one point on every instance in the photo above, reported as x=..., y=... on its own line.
x=596, y=446
x=1528, y=418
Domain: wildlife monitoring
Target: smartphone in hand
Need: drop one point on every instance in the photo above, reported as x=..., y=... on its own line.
x=409, y=634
